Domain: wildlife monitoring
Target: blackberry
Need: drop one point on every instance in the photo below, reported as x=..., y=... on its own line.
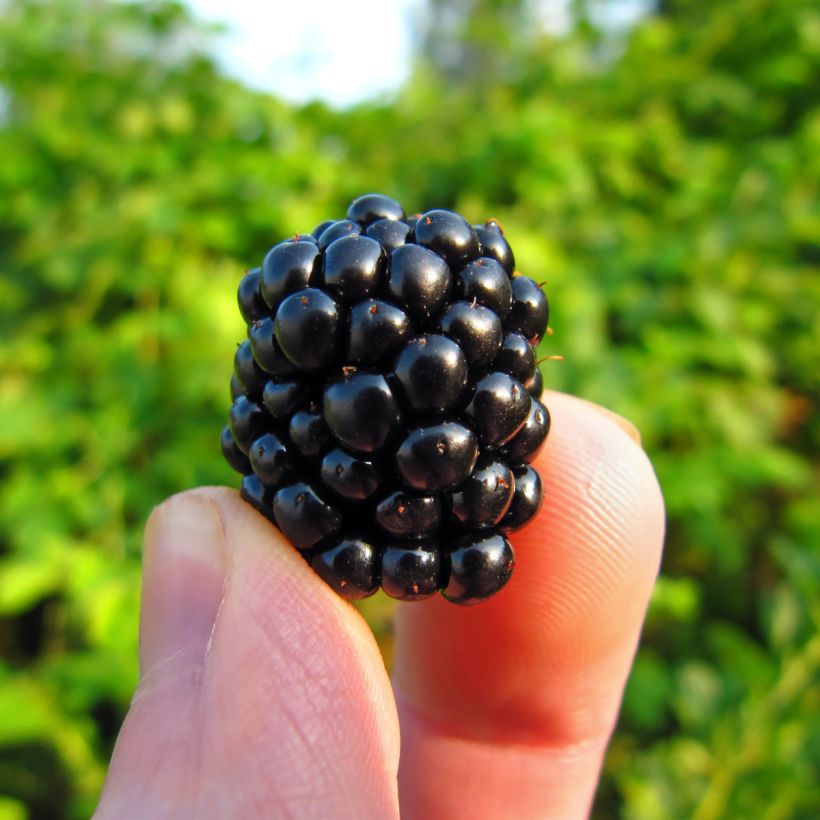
x=271, y=460
x=258, y=495
x=438, y=457
x=350, y=477
x=308, y=327
x=386, y=401
x=350, y=565
x=265, y=349
x=526, y=444
x=372, y=207
x=251, y=304
x=288, y=267
x=530, y=309
x=448, y=234
x=516, y=357
x=525, y=501
x=377, y=330
x=476, y=329
x=419, y=280
x=389, y=233
x=498, y=409
x=411, y=570
x=483, y=498
x=409, y=515
x=336, y=230
x=246, y=420
x=535, y=386
x=432, y=373
x=309, y=434
x=484, y=281
x=304, y=516
x=353, y=268
x=233, y=455
x=480, y=563
x=282, y=398
x=361, y=411
x=248, y=373
x=491, y=242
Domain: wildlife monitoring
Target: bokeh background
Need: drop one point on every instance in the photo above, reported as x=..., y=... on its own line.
x=659, y=168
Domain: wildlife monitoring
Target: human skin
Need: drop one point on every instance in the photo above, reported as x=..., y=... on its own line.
x=262, y=694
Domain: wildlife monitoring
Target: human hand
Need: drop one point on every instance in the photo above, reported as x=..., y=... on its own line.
x=262, y=694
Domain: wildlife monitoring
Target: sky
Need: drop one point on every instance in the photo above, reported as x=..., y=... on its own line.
x=337, y=52
x=341, y=53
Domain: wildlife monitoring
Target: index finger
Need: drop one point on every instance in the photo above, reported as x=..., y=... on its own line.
x=506, y=707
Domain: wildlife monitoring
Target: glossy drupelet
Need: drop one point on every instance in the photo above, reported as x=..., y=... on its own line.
x=386, y=400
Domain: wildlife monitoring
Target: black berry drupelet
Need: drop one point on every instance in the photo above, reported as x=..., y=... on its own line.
x=251, y=304
x=386, y=402
x=477, y=330
x=432, y=372
x=448, y=234
x=353, y=268
x=350, y=565
x=377, y=330
x=485, y=282
x=491, y=242
x=336, y=230
x=309, y=326
x=530, y=310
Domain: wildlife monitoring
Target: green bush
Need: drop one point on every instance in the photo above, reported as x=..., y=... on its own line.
x=663, y=180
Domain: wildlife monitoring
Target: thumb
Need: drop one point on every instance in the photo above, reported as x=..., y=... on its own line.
x=261, y=693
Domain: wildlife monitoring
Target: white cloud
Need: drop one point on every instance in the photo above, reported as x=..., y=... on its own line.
x=339, y=52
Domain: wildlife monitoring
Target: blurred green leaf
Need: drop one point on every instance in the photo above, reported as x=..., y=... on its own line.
x=661, y=177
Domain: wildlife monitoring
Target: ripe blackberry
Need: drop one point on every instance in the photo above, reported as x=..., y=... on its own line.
x=251, y=304
x=377, y=330
x=350, y=565
x=448, y=234
x=476, y=329
x=491, y=242
x=389, y=233
x=516, y=357
x=432, y=373
x=484, y=281
x=308, y=327
x=530, y=311
x=353, y=268
x=288, y=267
x=386, y=400
x=336, y=230
x=418, y=280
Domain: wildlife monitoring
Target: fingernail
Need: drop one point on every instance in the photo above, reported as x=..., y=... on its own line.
x=627, y=426
x=184, y=571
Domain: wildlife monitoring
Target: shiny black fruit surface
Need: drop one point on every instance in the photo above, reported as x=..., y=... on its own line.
x=361, y=411
x=411, y=570
x=498, y=409
x=432, y=372
x=304, y=516
x=475, y=328
x=485, y=496
x=525, y=501
x=530, y=311
x=386, y=411
x=309, y=329
x=480, y=564
x=349, y=565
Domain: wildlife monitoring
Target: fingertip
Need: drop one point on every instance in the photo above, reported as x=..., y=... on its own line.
x=585, y=567
x=264, y=556
x=254, y=674
x=532, y=678
x=603, y=478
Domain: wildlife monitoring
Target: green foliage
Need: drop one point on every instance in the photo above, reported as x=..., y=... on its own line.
x=664, y=180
